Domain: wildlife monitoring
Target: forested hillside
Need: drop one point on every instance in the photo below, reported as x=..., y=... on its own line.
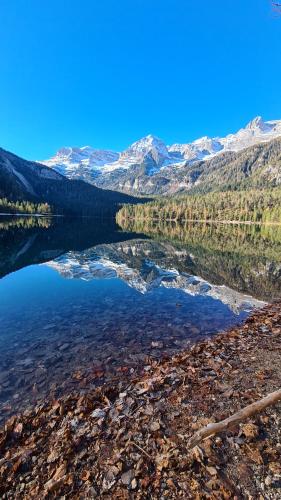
x=253, y=205
x=26, y=181
x=255, y=167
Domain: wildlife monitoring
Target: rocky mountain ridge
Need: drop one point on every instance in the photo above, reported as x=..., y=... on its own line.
x=134, y=169
x=257, y=167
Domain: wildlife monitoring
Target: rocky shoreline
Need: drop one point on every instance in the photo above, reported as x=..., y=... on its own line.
x=129, y=438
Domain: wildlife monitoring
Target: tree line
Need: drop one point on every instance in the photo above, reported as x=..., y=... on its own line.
x=242, y=206
x=24, y=207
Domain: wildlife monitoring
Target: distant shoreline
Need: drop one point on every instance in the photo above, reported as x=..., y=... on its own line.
x=67, y=216
x=30, y=215
x=201, y=221
x=248, y=222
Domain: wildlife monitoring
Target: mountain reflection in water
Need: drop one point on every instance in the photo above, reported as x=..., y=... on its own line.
x=82, y=296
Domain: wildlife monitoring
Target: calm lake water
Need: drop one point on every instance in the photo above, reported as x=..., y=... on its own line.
x=82, y=300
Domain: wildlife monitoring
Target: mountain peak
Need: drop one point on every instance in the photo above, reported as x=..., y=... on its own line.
x=204, y=138
x=150, y=144
x=152, y=154
x=148, y=140
x=64, y=151
x=257, y=123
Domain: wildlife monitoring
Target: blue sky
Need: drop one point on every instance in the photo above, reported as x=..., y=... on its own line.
x=107, y=72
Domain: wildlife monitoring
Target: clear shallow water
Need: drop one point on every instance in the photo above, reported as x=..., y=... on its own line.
x=82, y=300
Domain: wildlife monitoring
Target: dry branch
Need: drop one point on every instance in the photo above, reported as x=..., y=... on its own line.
x=238, y=417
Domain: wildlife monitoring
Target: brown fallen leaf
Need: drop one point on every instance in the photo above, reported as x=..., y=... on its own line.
x=60, y=472
x=254, y=455
x=53, y=484
x=212, y=471
x=85, y=475
x=18, y=428
x=162, y=462
x=250, y=430
x=275, y=467
x=17, y=465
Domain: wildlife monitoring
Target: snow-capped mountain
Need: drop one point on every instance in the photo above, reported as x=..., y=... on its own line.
x=149, y=156
x=255, y=132
x=198, y=150
x=76, y=162
x=149, y=149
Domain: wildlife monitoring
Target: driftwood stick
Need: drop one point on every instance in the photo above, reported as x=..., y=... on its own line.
x=238, y=417
x=140, y=449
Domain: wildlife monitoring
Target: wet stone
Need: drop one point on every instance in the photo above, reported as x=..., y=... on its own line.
x=127, y=477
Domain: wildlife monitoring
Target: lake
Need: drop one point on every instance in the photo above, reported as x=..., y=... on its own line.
x=83, y=301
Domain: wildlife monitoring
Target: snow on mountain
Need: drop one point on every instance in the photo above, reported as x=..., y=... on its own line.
x=87, y=163
x=197, y=150
x=255, y=132
x=73, y=162
x=148, y=151
x=78, y=162
x=205, y=148
x=148, y=146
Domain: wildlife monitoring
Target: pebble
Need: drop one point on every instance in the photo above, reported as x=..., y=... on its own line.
x=64, y=347
x=98, y=413
x=134, y=484
x=160, y=345
x=268, y=481
x=127, y=477
x=155, y=426
x=212, y=471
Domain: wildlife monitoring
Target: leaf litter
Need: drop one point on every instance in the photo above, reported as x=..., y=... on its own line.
x=127, y=439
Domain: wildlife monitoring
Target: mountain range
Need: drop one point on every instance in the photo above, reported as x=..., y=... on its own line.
x=29, y=181
x=148, y=166
x=96, y=182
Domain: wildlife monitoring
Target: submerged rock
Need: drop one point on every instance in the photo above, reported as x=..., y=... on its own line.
x=65, y=447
